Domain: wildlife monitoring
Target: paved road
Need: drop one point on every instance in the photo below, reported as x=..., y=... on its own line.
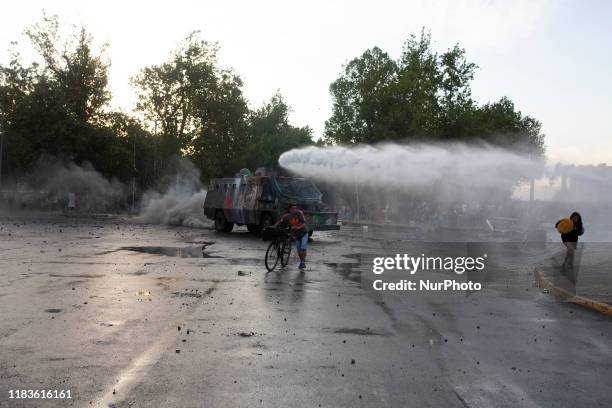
x=131, y=315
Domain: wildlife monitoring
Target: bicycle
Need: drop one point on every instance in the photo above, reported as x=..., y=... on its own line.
x=279, y=248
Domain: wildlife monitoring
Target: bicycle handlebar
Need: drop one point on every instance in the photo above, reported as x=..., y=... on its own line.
x=281, y=232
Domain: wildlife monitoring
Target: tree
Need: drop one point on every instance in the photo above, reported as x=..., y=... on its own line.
x=59, y=107
x=271, y=134
x=218, y=146
x=362, y=101
x=79, y=73
x=421, y=96
x=16, y=84
x=52, y=108
x=198, y=106
x=504, y=126
x=167, y=92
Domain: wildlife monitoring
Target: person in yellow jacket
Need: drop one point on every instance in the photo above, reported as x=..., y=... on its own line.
x=570, y=229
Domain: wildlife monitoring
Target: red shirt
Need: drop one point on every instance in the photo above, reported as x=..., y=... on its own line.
x=296, y=221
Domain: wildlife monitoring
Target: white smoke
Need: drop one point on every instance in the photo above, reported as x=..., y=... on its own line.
x=53, y=182
x=181, y=201
x=174, y=207
x=452, y=170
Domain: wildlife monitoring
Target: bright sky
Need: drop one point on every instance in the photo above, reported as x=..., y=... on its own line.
x=552, y=58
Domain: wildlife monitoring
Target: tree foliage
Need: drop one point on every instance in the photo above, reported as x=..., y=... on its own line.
x=271, y=134
x=168, y=93
x=56, y=107
x=423, y=95
x=203, y=113
x=189, y=106
x=76, y=70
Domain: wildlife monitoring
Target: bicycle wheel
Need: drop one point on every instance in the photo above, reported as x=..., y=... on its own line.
x=272, y=255
x=285, y=252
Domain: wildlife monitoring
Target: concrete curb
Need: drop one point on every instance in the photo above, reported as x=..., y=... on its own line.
x=588, y=303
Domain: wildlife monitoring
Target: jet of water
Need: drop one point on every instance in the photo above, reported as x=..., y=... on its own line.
x=453, y=171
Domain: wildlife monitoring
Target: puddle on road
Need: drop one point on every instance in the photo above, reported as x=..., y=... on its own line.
x=348, y=270
x=245, y=261
x=178, y=252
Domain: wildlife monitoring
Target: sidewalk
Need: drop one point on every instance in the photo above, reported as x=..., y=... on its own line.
x=590, y=282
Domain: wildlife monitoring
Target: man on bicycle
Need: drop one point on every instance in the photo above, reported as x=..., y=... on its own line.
x=294, y=218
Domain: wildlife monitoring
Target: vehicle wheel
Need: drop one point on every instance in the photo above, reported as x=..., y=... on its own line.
x=272, y=256
x=221, y=224
x=254, y=228
x=219, y=221
x=286, y=252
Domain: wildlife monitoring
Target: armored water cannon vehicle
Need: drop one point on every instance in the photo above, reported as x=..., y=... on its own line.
x=259, y=200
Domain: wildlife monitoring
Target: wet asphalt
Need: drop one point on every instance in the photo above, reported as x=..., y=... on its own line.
x=130, y=315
